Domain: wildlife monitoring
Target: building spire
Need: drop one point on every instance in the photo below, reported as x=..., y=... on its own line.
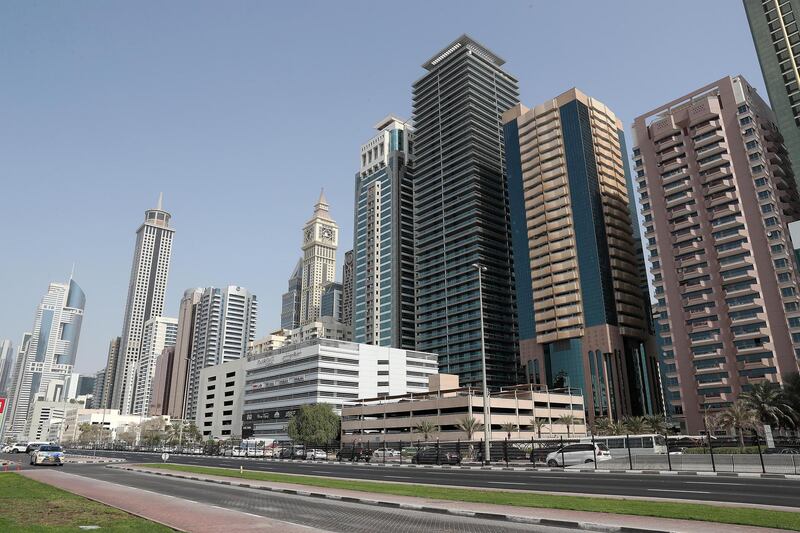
x=322, y=200
x=160, y=201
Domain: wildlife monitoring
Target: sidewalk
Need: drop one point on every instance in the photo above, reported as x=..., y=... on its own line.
x=575, y=520
x=177, y=513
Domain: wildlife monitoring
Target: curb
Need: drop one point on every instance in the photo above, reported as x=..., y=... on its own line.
x=83, y=460
x=573, y=525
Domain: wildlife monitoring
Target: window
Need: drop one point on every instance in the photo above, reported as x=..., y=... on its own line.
x=787, y=291
x=229, y=393
x=227, y=413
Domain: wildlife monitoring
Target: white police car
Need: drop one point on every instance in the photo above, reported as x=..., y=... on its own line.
x=48, y=454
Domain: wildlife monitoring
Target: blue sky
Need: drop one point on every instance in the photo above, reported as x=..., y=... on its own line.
x=240, y=111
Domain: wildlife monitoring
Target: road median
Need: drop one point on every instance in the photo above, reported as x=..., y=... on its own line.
x=517, y=505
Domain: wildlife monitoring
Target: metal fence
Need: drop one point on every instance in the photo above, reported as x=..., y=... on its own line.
x=703, y=454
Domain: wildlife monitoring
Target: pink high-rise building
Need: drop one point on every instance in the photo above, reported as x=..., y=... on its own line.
x=717, y=195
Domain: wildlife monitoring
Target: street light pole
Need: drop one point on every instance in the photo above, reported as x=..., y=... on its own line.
x=487, y=415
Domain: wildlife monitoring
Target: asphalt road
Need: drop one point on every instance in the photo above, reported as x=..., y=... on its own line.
x=316, y=513
x=780, y=492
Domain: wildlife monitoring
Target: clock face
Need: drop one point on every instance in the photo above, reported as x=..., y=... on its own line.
x=326, y=233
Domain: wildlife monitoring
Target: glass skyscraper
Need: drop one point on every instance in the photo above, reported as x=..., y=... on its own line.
x=774, y=26
x=461, y=214
x=383, y=250
x=47, y=354
x=581, y=290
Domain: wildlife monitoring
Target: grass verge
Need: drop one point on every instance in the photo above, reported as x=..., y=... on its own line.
x=27, y=506
x=746, y=516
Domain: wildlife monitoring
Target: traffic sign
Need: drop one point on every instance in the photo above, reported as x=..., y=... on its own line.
x=165, y=457
x=2, y=405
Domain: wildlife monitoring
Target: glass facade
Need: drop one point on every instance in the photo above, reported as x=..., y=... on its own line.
x=383, y=269
x=461, y=214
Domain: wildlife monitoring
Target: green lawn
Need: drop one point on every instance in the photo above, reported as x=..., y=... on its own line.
x=32, y=507
x=727, y=515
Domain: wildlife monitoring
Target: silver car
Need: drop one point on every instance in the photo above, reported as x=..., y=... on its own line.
x=48, y=454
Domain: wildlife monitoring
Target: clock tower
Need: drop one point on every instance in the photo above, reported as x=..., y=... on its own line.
x=320, y=240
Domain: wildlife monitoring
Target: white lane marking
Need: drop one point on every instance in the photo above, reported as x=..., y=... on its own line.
x=399, y=477
x=673, y=490
x=322, y=472
x=711, y=483
x=506, y=483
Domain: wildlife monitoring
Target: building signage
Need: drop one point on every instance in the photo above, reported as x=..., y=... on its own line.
x=268, y=415
x=2, y=405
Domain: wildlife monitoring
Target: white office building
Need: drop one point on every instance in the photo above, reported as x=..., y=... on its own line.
x=325, y=371
x=148, y=283
x=224, y=327
x=219, y=413
x=159, y=332
x=43, y=414
x=49, y=354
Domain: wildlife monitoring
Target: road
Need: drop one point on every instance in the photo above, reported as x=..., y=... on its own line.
x=315, y=513
x=781, y=492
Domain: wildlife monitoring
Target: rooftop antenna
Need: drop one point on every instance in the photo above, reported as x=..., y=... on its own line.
x=160, y=201
x=72, y=272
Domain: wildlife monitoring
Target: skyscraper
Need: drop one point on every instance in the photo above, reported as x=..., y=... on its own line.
x=145, y=298
x=175, y=395
x=461, y=213
x=110, y=373
x=717, y=196
x=776, y=38
x=159, y=332
x=7, y=359
x=383, y=244
x=331, y=301
x=347, y=288
x=581, y=305
x=290, y=301
x=224, y=326
x=15, y=384
x=320, y=240
x=97, y=392
x=50, y=354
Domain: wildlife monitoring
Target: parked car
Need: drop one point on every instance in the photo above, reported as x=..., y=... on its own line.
x=47, y=454
x=575, y=454
x=316, y=455
x=388, y=453
x=354, y=454
x=7, y=448
x=433, y=455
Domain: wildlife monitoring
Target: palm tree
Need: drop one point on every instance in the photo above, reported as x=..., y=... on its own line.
x=538, y=424
x=508, y=427
x=656, y=423
x=567, y=420
x=425, y=428
x=470, y=426
x=602, y=426
x=617, y=428
x=738, y=417
x=634, y=424
x=770, y=404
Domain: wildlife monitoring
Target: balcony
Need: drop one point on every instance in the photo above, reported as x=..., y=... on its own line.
x=719, y=198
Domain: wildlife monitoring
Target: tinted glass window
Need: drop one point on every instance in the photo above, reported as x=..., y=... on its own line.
x=45, y=448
